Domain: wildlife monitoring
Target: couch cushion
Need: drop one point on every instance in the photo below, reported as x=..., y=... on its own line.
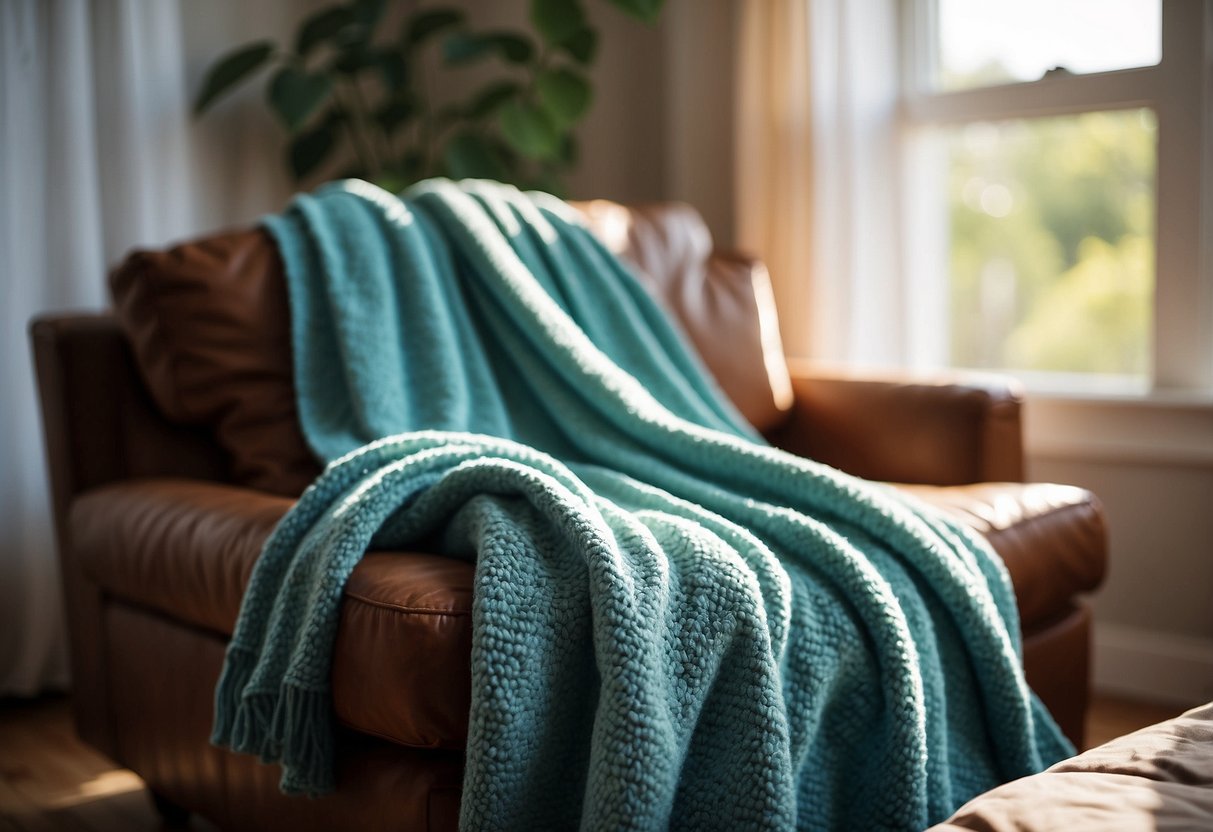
x=210, y=328
x=1051, y=537
x=401, y=668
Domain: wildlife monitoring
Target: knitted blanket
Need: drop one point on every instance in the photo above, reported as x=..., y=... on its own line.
x=675, y=625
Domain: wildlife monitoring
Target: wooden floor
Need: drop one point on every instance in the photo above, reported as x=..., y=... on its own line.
x=49, y=780
x=1111, y=717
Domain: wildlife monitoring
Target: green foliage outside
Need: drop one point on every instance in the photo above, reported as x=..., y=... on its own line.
x=1052, y=243
x=351, y=87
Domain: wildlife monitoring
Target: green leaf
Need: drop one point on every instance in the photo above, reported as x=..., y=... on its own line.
x=557, y=20
x=548, y=181
x=569, y=150
x=470, y=156
x=490, y=98
x=354, y=58
x=462, y=48
x=392, y=69
x=368, y=12
x=412, y=166
x=582, y=45
x=645, y=10
x=528, y=129
x=231, y=70
x=295, y=95
x=422, y=25
x=391, y=181
x=564, y=93
x=395, y=113
x=514, y=48
x=322, y=26
x=309, y=149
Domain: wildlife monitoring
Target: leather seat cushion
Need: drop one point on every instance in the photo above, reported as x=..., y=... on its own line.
x=401, y=666
x=1051, y=537
x=209, y=325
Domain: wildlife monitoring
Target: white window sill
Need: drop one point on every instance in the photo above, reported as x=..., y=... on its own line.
x=1164, y=427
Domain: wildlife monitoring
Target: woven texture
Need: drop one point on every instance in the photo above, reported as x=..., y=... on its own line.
x=675, y=625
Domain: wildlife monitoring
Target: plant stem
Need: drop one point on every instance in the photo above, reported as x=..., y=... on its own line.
x=362, y=147
x=425, y=119
x=360, y=103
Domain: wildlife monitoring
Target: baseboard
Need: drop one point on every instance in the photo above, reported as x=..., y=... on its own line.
x=1153, y=666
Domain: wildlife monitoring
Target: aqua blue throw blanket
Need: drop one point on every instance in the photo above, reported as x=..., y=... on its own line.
x=674, y=625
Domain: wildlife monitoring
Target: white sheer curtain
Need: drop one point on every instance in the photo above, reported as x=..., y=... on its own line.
x=817, y=174
x=98, y=154
x=94, y=158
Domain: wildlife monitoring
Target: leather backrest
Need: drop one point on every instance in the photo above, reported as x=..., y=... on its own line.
x=723, y=301
x=209, y=325
x=210, y=328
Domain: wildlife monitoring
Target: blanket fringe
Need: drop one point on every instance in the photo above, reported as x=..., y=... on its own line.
x=252, y=731
x=237, y=670
x=292, y=726
x=308, y=747
x=244, y=717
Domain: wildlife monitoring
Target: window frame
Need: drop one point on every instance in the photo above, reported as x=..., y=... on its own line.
x=1178, y=89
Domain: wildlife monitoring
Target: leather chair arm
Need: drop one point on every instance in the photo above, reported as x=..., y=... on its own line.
x=186, y=548
x=949, y=430
x=100, y=426
x=99, y=421
x=183, y=547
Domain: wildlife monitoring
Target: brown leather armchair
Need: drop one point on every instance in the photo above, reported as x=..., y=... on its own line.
x=173, y=453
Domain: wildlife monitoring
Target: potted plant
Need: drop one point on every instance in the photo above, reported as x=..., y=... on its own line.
x=346, y=87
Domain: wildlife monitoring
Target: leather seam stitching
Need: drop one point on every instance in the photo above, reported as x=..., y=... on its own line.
x=403, y=609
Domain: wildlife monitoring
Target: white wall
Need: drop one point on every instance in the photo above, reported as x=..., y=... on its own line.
x=700, y=70
x=623, y=139
x=1151, y=463
x=236, y=146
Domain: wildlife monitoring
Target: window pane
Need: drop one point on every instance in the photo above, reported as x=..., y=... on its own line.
x=983, y=42
x=1051, y=243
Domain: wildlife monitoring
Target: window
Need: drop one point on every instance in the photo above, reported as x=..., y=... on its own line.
x=1053, y=156
x=985, y=42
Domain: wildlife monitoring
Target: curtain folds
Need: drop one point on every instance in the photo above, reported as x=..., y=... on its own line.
x=817, y=177
x=774, y=161
x=98, y=153
x=49, y=169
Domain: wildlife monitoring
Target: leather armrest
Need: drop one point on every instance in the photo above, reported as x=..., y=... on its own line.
x=100, y=426
x=949, y=430
x=182, y=547
x=99, y=421
x=186, y=548
x=1052, y=538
